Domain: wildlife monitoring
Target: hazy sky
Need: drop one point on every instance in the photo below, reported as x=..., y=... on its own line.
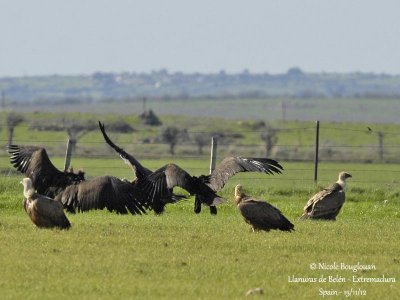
x=83, y=36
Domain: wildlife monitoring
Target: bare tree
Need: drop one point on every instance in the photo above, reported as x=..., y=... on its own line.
x=270, y=138
x=201, y=140
x=170, y=135
x=13, y=120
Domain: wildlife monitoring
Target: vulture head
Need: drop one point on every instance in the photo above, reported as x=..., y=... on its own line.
x=342, y=178
x=75, y=177
x=239, y=194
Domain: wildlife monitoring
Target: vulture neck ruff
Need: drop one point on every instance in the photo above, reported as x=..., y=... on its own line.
x=342, y=183
x=342, y=180
x=239, y=195
x=28, y=189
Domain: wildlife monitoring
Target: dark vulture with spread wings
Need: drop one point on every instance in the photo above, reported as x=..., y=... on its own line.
x=35, y=164
x=102, y=192
x=260, y=214
x=233, y=165
x=157, y=186
x=43, y=211
x=75, y=193
x=326, y=204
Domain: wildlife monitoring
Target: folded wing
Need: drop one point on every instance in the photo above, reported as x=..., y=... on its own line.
x=45, y=212
x=325, y=204
x=263, y=216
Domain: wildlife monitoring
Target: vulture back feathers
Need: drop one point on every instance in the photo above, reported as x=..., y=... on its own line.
x=34, y=163
x=102, y=192
x=43, y=211
x=260, y=214
x=326, y=204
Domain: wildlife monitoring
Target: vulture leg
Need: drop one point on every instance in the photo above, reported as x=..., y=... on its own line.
x=213, y=210
x=197, y=205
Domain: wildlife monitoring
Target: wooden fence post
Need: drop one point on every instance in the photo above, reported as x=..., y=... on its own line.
x=68, y=155
x=214, y=144
x=316, y=151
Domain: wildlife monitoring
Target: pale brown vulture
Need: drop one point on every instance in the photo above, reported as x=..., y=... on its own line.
x=157, y=187
x=75, y=193
x=43, y=211
x=35, y=164
x=260, y=214
x=326, y=204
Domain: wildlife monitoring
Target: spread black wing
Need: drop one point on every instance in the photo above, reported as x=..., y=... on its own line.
x=35, y=164
x=233, y=165
x=140, y=171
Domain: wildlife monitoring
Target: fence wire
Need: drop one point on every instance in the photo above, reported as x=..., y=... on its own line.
x=338, y=144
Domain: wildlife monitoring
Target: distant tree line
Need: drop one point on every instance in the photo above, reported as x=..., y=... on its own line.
x=165, y=85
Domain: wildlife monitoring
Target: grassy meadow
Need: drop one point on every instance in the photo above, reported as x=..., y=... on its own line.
x=181, y=255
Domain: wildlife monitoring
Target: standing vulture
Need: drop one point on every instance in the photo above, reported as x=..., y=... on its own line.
x=326, y=204
x=43, y=211
x=157, y=187
x=72, y=190
x=35, y=164
x=260, y=214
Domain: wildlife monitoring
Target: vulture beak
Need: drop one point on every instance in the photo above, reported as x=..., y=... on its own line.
x=348, y=175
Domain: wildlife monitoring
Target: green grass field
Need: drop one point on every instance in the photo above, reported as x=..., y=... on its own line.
x=180, y=255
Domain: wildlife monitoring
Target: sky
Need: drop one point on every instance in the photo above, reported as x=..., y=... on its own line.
x=45, y=37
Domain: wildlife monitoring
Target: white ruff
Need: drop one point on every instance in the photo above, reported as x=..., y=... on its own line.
x=342, y=183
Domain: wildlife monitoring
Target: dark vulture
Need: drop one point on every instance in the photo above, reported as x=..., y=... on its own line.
x=35, y=164
x=260, y=214
x=326, y=204
x=233, y=165
x=102, y=192
x=75, y=193
x=156, y=187
x=43, y=211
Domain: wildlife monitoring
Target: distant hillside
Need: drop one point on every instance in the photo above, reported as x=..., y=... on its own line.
x=164, y=85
